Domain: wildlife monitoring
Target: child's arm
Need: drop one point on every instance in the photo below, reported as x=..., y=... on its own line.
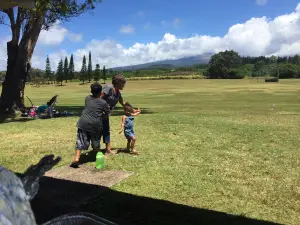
x=122, y=124
x=136, y=112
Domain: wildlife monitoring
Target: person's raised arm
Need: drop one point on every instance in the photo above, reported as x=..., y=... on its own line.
x=121, y=101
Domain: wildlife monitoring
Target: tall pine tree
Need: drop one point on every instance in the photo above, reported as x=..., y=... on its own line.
x=104, y=75
x=97, y=73
x=66, y=70
x=48, y=71
x=90, y=68
x=83, y=72
x=111, y=72
x=60, y=72
x=71, y=68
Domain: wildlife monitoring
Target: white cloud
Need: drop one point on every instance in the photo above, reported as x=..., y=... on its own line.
x=255, y=37
x=57, y=34
x=261, y=2
x=3, y=53
x=111, y=53
x=55, y=57
x=75, y=37
x=127, y=29
x=54, y=36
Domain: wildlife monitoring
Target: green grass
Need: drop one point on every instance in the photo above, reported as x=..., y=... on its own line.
x=225, y=145
x=163, y=72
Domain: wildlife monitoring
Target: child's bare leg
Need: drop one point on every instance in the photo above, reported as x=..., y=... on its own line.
x=133, y=140
x=128, y=145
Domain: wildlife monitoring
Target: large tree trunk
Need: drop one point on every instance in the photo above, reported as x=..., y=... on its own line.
x=10, y=85
x=18, y=55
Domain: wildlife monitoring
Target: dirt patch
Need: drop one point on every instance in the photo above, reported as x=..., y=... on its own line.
x=90, y=175
x=75, y=187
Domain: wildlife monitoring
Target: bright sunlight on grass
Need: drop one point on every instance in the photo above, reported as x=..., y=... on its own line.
x=230, y=146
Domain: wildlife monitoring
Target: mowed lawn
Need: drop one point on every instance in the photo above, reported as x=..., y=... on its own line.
x=225, y=145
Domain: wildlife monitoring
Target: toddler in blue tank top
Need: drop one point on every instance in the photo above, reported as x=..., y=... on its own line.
x=128, y=125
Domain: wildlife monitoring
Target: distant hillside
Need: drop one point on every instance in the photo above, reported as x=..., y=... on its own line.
x=172, y=63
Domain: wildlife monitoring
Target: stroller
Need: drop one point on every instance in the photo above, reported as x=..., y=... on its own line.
x=45, y=111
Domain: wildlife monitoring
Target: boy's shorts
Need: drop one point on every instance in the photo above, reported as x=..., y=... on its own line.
x=84, y=139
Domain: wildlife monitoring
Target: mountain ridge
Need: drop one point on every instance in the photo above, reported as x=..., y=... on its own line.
x=169, y=63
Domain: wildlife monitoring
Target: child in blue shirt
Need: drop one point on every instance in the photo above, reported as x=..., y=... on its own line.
x=128, y=125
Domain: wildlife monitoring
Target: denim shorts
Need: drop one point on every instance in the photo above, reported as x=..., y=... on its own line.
x=129, y=134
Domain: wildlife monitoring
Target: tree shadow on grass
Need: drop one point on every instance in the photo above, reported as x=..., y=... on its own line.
x=18, y=119
x=57, y=197
x=118, y=111
x=75, y=110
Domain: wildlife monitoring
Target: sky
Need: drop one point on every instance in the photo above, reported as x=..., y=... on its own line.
x=120, y=33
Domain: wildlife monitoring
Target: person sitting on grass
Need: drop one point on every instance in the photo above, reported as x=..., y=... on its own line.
x=127, y=126
x=47, y=108
x=44, y=109
x=90, y=124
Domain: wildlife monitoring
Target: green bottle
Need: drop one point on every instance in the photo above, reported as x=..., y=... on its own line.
x=100, y=160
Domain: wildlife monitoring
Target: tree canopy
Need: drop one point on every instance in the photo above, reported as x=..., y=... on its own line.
x=229, y=65
x=26, y=25
x=223, y=64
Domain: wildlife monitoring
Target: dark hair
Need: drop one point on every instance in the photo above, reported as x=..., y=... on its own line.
x=118, y=80
x=128, y=107
x=96, y=89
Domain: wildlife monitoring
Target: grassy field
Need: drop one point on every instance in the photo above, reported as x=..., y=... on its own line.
x=226, y=145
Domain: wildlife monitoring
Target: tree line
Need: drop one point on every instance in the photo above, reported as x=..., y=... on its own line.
x=230, y=65
x=66, y=72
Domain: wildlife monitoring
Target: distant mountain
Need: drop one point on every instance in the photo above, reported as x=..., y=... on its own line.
x=172, y=63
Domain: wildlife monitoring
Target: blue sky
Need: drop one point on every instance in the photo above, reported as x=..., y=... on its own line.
x=175, y=29
x=212, y=17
